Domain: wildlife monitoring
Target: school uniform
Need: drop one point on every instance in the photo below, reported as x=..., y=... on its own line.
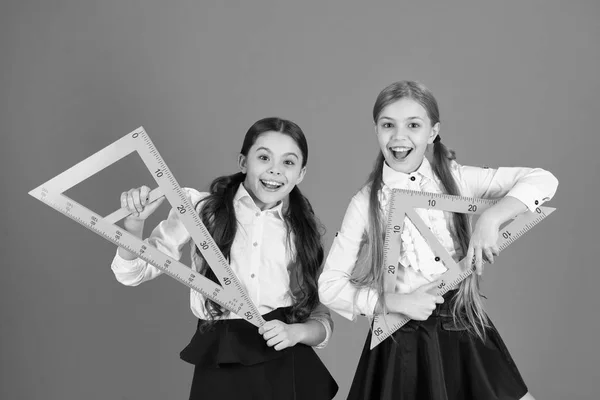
x=231, y=359
x=433, y=359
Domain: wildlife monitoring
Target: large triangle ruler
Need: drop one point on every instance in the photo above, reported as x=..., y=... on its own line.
x=229, y=294
x=402, y=204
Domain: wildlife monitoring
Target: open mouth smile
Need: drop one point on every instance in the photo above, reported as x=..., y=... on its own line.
x=271, y=185
x=400, y=152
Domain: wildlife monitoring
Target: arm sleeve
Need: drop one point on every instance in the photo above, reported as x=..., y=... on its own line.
x=336, y=290
x=168, y=237
x=532, y=186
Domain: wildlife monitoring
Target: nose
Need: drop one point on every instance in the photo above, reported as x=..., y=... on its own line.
x=398, y=133
x=274, y=171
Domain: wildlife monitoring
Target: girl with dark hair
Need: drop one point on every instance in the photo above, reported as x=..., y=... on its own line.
x=268, y=231
x=450, y=349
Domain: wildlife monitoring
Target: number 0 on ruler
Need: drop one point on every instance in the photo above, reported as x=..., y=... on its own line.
x=230, y=294
x=402, y=204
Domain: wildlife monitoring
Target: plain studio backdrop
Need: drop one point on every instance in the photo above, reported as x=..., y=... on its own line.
x=517, y=84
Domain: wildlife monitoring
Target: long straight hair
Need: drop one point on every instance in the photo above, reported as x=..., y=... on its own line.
x=467, y=303
x=302, y=227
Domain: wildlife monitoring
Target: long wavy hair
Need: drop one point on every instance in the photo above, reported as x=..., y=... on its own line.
x=304, y=231
x=467, y=303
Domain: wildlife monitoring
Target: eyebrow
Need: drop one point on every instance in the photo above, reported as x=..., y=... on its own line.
x=291, y=153
x=409, y=118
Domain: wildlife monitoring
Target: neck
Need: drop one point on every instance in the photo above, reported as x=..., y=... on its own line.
x=405, y=172
x=262, y=206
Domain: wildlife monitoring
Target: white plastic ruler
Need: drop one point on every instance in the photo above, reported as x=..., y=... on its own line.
x=230, y=294
x=402, y=204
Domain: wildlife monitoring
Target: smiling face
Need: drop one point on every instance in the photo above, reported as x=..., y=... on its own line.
x=404, y=130
x=273, y=167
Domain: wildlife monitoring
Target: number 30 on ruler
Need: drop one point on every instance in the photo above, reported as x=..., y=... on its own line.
x=230, y=294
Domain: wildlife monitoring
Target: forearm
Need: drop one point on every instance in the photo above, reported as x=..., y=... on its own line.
x=394, y=303
x=339, y=294
x=136, y=229
x=311, y=332
x=504, y=210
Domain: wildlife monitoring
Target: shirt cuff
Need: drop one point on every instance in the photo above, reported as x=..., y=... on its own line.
x=326, y=324
x=120, y=264
x=366, y=301
x=529, y=195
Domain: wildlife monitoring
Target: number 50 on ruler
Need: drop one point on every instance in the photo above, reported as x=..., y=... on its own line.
x=402, y=204
x=230, y=294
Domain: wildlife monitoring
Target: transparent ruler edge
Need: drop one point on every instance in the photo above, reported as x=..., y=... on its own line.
x=109, y=155
x=197, y=230
x=385, y=325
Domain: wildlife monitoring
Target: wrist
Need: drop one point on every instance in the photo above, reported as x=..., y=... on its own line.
x=299, y=332
x=134, y=225
x=394, y=302
x=126, y=254
x=506, y=209
x=490, y=218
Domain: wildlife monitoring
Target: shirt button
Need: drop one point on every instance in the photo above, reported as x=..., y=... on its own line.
x=257, y=214
x=252, y=276
x=437, y=259
x=537, y=202
x=255, y=244
x=412, y=178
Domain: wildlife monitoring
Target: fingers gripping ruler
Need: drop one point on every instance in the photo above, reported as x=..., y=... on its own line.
x=402, y=204
x=230, y=294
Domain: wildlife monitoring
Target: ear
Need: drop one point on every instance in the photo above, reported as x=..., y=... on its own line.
x=302, y=173
x=242, y=163
x=435, y=130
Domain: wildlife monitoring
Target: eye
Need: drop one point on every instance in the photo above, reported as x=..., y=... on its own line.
x=414, y=125
x=263, y=157
x=387, y=125
x=289, y=162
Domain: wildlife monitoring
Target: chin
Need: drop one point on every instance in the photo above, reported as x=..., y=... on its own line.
x=269, y=198
x=399, y=166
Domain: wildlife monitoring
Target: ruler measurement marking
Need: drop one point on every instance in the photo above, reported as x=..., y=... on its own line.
x=118, y=240
x=385, y=325
x=173, y=192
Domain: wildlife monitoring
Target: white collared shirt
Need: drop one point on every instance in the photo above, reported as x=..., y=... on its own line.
x=259, y=257
x=533, y=187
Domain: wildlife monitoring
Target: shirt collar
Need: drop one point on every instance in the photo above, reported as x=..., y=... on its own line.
x=242, y=196
x=395, y=179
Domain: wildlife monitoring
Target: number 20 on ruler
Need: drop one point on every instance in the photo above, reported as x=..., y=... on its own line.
x=230, y=294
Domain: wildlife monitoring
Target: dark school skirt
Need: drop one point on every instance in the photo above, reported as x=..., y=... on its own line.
x=437, y=360
x=233, y=361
